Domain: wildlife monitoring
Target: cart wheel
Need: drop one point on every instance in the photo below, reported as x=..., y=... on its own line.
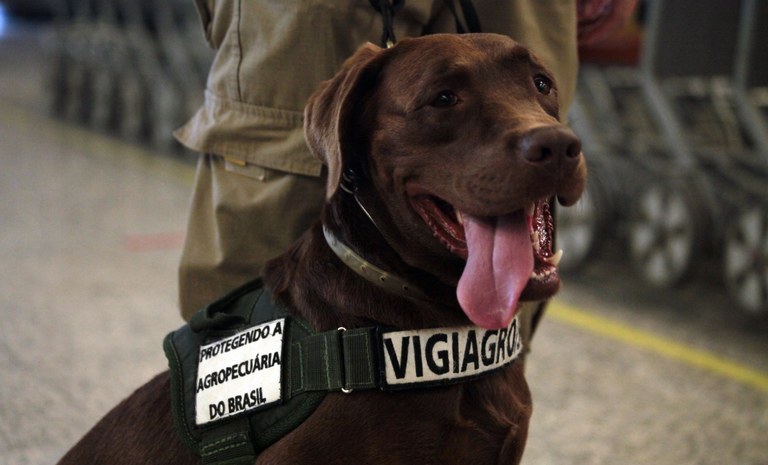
x=579, y=227
x=746, y=260
x=665, y=232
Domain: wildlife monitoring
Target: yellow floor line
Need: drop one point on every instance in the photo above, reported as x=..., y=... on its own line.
x=659, y=345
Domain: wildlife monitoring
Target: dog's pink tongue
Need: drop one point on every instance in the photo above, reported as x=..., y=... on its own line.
x=499, y=264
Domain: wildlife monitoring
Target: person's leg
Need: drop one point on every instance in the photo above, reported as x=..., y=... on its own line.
x=240, y=217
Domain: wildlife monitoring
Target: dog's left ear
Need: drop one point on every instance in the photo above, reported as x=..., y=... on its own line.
x=328, y=116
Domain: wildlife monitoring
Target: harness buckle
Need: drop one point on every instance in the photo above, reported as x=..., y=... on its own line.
x=344, y=389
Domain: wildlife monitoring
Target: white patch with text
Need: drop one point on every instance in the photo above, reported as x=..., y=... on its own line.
x=435, y=355
x=240, y=372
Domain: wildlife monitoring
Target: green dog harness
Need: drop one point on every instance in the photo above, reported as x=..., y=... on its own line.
x=244, y=373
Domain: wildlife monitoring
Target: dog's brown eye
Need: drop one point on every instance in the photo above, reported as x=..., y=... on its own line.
x=543, y=84
x=445, y=98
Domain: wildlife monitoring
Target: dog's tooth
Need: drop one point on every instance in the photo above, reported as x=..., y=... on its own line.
x=554, y=260
x=459, y=217
x=535, y=241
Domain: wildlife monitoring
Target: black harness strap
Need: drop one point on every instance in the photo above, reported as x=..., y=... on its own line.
x=230, y=444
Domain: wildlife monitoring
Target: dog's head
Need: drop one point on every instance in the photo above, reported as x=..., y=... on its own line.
x=461, y=150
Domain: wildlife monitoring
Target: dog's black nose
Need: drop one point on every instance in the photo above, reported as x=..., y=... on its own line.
x=548, y=144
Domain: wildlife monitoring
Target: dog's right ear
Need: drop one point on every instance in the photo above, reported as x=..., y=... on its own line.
x=329, y=112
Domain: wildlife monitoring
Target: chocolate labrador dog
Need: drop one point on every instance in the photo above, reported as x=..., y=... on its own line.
x=444, y=155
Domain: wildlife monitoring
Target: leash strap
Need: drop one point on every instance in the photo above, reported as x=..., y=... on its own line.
x=469, y=13
x=387, y=9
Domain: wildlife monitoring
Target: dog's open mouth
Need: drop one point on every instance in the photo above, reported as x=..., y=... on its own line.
x=509, y=258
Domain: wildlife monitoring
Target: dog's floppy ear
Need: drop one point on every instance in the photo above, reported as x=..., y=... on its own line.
x=328, y=114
